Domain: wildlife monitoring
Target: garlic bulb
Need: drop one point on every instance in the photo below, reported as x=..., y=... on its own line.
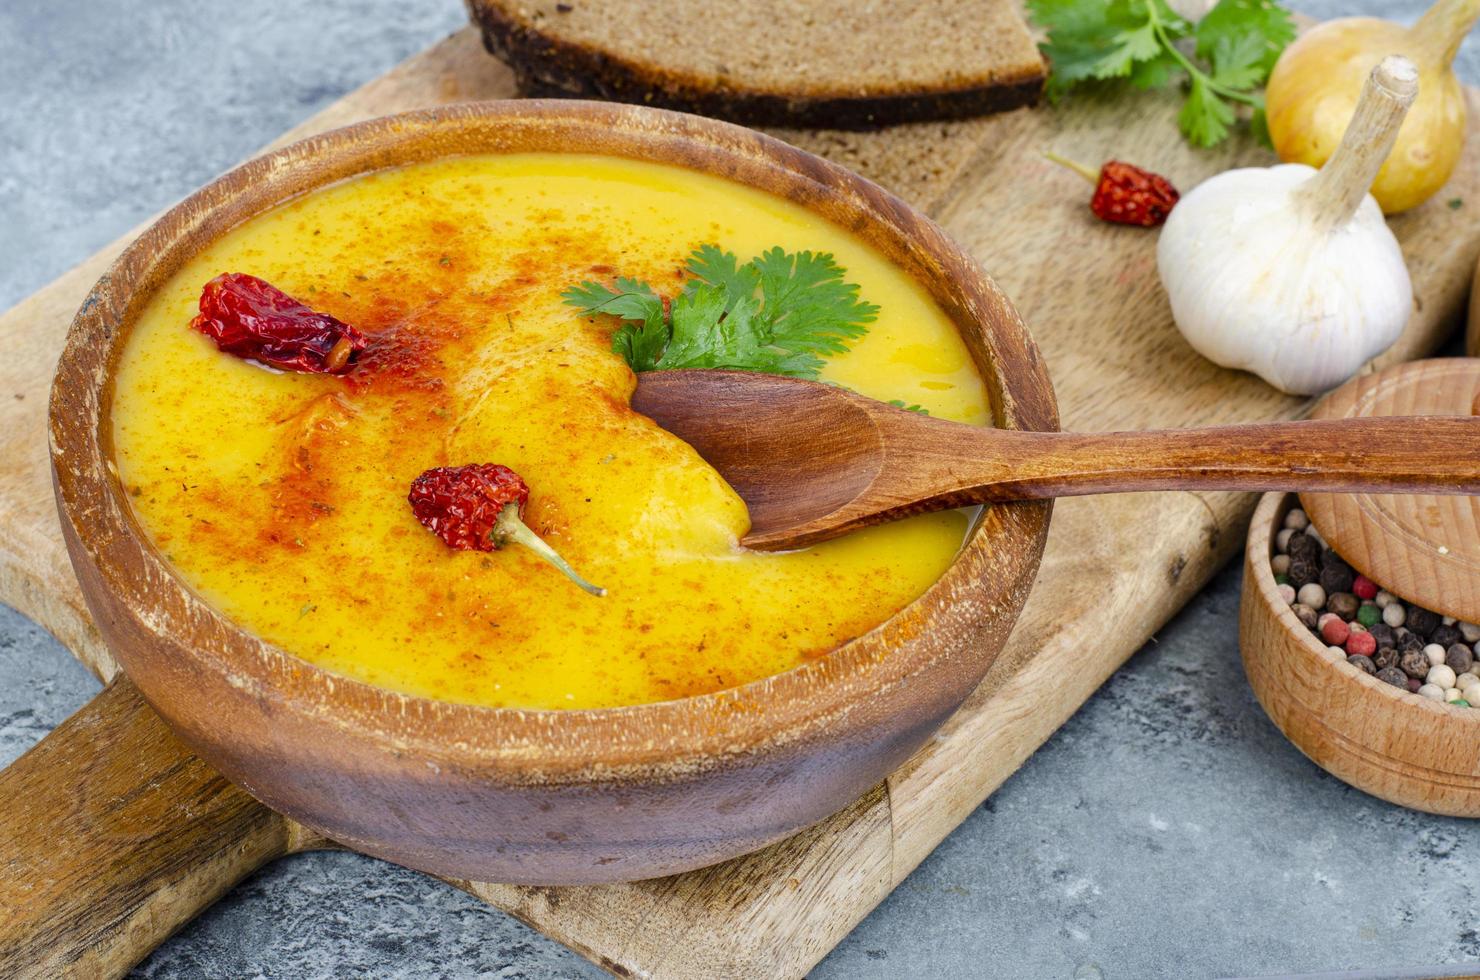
x=1192, y=10
x=1290, y=272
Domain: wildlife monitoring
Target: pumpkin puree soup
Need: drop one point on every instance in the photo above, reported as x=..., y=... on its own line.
x=281, y=498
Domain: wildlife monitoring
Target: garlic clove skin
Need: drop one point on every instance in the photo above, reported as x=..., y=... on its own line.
x=1256, y=283
x=1192, y=11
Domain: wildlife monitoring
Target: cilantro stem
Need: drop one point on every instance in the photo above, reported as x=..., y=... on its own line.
x=1192, y=70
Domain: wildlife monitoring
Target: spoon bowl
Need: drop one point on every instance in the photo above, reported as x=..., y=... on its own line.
x=794, y=452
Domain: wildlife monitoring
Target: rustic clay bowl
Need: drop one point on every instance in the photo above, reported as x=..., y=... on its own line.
x=1395, y=745
x=543, y=796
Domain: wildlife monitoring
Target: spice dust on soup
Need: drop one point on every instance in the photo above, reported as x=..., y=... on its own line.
x=280, y=495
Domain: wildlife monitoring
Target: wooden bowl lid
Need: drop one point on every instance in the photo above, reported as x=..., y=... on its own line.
x=1425, y=549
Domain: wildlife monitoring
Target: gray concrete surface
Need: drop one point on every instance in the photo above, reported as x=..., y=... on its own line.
x=1167, y=830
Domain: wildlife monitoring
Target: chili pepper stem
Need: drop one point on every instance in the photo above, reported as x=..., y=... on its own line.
x=509, y=527
x=1090, y=175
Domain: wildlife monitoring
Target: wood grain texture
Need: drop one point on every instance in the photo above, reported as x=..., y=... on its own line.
x=813, y=461
x=1398, y=746
x=762, y=914
x=1116, y=566
x=112, y=834
x=1424, y=548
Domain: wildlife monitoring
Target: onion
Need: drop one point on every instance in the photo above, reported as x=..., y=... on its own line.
x=1312, y=94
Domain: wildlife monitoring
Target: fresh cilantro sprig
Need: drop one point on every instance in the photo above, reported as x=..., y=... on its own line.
x=779, y=313
x=1233, y=49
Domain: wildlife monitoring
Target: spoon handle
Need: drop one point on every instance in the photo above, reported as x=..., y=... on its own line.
x=1435, y=454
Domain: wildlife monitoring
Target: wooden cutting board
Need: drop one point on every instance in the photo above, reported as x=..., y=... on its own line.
x=144, y=850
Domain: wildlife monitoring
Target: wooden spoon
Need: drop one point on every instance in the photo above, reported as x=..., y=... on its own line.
x=813, y=461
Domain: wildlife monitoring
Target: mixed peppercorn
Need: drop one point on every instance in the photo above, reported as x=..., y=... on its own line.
x=1376, y=632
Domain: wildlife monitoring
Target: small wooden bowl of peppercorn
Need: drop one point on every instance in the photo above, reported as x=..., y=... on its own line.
x=1359, y=617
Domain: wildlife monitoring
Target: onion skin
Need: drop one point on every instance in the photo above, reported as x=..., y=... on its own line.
x=1313, y=91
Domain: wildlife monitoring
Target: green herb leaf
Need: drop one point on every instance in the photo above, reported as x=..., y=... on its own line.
x=1205, y=117
x=809, y=305
x=640, y=341
x=1087, y=39
x=1257, y=30
x=1236, y=61
x=1235, y=47
x=780, y=313
x=1077, y=18
x=1155, y=72
x=1259, y=126
x=1125, y=49
x=715, y=328
x=714, y=265
x=899, y=403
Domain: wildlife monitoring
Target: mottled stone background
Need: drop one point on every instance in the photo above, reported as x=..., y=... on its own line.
x=1167, y=830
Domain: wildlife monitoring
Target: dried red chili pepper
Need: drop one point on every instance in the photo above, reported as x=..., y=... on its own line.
x=1126, y=194
x=479, y=507
x=255, y=320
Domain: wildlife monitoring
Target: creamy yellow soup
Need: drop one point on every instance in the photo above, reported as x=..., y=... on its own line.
x=281, y=498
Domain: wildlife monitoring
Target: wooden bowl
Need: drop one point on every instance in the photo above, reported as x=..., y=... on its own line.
x=543, y=796
x=1395, y=745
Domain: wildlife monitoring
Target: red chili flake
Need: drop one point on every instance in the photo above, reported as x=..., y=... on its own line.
x=255, y=320
x=480, y=507
x=1129, y=195
x=1126, y=194
x=462, y=504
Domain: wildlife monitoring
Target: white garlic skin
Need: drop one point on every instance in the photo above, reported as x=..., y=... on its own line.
x=1192, y=10
x=1256, y=284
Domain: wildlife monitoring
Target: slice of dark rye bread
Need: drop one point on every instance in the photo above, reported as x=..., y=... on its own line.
x=847, y=64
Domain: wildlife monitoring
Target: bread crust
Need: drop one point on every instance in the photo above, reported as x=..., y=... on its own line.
x=546, y=65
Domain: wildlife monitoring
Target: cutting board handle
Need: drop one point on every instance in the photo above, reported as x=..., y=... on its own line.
x=112, y=836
